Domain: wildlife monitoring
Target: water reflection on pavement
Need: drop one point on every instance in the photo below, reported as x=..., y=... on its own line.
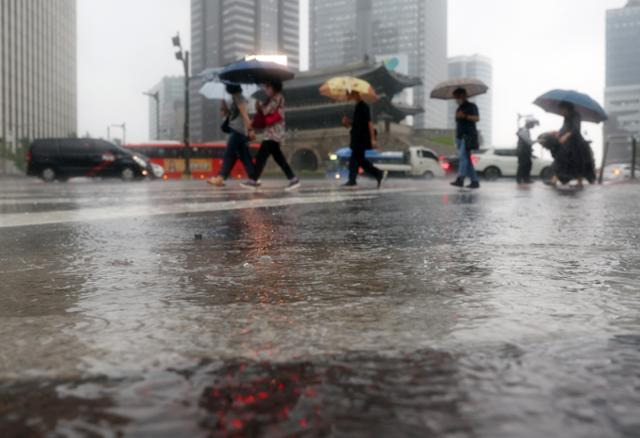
x=416, y=311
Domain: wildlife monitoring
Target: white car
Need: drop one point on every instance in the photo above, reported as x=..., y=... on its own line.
x=496, y=163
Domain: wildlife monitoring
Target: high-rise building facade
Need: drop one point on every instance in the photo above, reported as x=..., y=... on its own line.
x=169, y=112
x=37, y=70
x=223, y=31
x=345, y=31
x=475, y=67
x=622, y=96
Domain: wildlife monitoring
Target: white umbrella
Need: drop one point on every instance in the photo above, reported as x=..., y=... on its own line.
x=217, y=90
x=209, y=74
x=473, y=87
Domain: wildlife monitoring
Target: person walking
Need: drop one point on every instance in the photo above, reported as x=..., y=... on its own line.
x=272, y=114
x=362, y=138
x=525, y=152
x=467, y=115
x=238, y=125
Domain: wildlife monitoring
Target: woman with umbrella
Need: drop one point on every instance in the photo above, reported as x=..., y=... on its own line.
x=254, y=71
x=271, y=117
x=572, y=154
x=238, y=125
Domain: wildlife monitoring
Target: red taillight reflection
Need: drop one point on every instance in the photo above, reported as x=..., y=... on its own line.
x=446, y=166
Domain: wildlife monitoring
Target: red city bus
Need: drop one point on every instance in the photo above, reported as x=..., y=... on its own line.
x=206, y=158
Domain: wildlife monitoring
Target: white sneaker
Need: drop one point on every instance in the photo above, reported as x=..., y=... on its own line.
x=294, y=184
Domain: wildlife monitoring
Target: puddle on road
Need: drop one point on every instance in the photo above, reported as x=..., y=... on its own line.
x=410, y=314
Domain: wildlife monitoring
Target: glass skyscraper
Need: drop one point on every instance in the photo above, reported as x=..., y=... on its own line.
x=622, y=99
x=347, y=31
x=475, y=67
x=37, y=70
x=223, y=31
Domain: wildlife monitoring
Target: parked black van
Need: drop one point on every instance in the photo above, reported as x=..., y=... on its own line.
x=63, y=158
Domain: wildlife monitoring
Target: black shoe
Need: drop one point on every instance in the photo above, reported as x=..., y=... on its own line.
x=474, y=185
x=458, y=183
x=350, y=184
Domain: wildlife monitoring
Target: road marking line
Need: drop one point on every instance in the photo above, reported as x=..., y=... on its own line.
x=126, y=212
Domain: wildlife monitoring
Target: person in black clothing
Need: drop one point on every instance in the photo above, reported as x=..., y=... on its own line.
x=572, y=154
x=467, y=140
x=525, y=152
x=362, y=139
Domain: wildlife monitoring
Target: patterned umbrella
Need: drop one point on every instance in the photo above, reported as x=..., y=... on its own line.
x=338, y=89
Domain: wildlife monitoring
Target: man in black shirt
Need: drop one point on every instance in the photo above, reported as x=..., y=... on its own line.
x=362, y=138
x=467, y=116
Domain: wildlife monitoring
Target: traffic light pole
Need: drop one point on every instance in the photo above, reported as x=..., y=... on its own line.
x=183, y=55
x=634, y=156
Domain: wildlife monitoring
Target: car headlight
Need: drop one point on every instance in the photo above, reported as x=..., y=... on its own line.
x=139, y=161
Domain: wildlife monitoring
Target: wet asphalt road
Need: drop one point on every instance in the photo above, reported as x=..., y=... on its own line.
x=173, y=309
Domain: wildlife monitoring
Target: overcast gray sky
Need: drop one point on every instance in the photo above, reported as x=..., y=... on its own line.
x=125, y=48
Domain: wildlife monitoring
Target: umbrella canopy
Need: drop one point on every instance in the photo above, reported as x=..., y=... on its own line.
x=209, y=74
x=444, y=90
x=588, y=108
x=255, y=72
x=215, y=90
x=338, y=89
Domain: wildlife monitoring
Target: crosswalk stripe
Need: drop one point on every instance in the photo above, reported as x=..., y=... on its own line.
x=136, y=211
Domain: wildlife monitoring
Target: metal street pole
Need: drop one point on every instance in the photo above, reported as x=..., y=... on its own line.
x=604, y=162
x=183, y=56
x=187, y=133
x=634, y=151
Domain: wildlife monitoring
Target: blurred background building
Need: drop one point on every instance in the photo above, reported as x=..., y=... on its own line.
x=166, y=106
x=410, y=36
x=223, y=31
x=38, y=83
x=475, y=67
x=622, y=95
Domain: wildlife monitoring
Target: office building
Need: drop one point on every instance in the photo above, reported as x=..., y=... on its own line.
x=475, y=67
x=37, y=70
x=347, y=31
x=622, y=95
x=169, y=112
x=223, y=31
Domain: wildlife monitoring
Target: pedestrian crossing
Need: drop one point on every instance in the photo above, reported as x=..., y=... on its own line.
x=46, y=205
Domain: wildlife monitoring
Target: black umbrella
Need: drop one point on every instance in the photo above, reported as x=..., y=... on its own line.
x=255, y=72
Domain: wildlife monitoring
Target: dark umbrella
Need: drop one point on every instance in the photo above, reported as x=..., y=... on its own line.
x=445, y=90
x=255, y=72
x=588, y=108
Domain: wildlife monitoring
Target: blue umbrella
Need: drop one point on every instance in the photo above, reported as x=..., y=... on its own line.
x=589, y=109
x=255, y=72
